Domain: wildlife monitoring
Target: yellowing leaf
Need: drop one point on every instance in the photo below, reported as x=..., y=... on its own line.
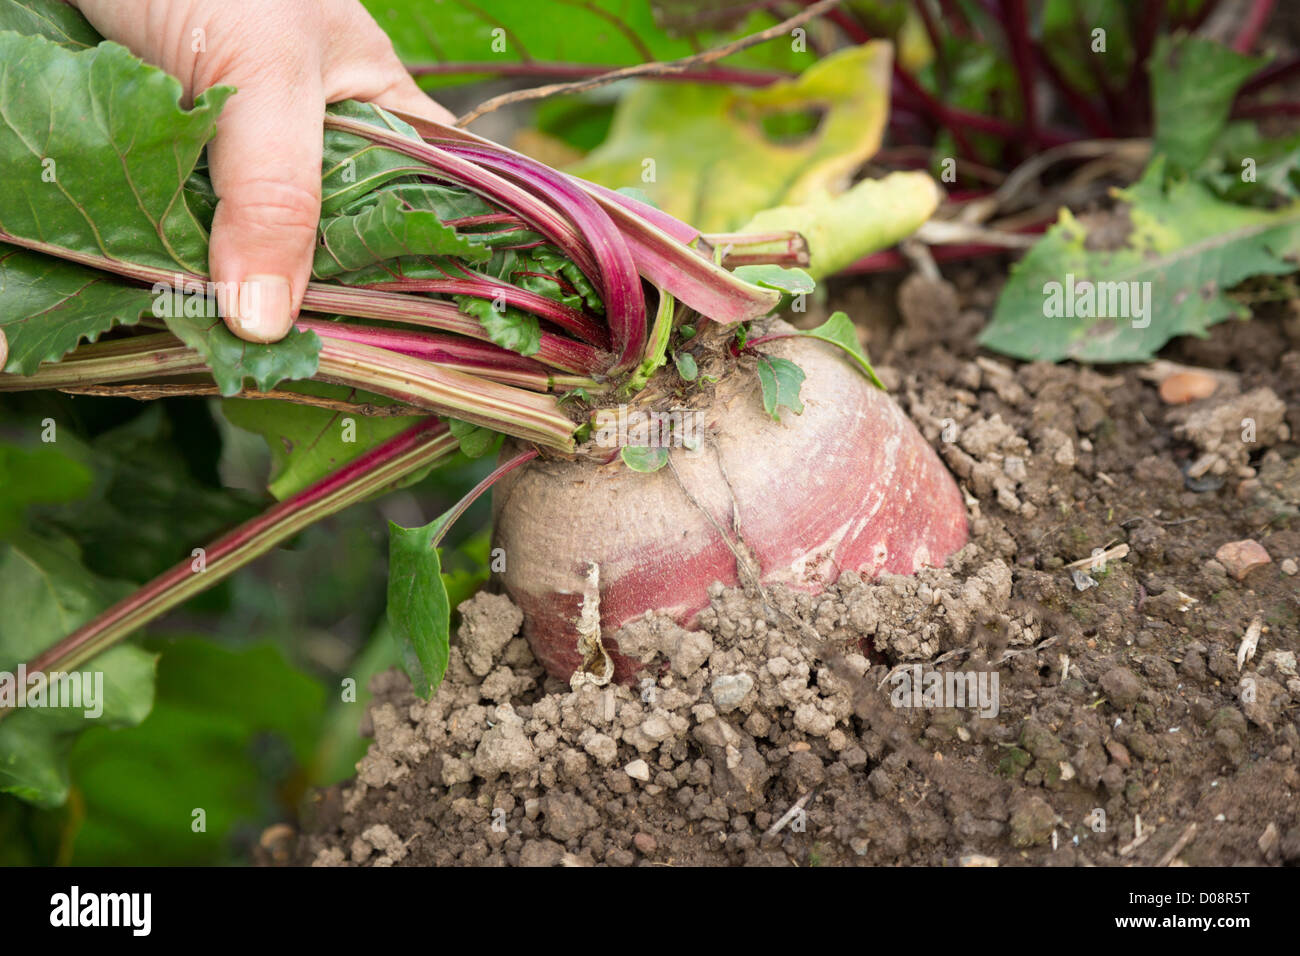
x=701, y=154
x=874, y=214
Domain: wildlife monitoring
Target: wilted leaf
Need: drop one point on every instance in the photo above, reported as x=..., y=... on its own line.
x=714, y=166
x=1185, y=250
x=840, y=229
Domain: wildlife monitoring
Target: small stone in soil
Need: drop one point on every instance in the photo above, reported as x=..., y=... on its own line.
x=1242, y=557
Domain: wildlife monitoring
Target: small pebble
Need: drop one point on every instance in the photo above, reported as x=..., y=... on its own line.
x=1242, y=557
x=1183, y=387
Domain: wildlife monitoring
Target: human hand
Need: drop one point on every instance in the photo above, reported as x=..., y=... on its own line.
x=287, y=59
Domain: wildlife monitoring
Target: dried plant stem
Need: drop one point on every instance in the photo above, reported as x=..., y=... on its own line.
x=650, y=69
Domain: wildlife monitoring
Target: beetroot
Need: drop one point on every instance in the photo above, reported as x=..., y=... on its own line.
x=850, y=484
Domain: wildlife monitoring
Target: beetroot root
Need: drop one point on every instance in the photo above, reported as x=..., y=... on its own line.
x=850, y=484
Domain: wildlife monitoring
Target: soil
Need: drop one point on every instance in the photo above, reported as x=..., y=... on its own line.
x=1131, y=726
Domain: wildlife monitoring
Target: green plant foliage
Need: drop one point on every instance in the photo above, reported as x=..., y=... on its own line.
x=1185, y=249
x=46, y=593
x=781, y=381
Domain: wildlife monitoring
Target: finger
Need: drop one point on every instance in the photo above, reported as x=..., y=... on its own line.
x=4, y=350
x=405, y=96
x=266, y=161
x=364, y=66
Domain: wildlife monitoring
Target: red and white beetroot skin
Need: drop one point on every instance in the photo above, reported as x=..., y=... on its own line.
x=848, y=485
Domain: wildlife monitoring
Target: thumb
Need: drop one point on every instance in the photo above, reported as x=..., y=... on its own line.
x=265, y=163
x=4, y=349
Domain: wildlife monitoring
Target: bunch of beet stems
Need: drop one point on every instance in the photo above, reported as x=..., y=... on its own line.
x=443, y=362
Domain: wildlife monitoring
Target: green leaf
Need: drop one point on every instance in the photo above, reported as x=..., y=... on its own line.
x=839, y=330
x=96, y=150
x=522, y=267
x=351, y=166
x=508, y=327
x=233, y=361
x=1255, y=170
x=308, y=443
x=644, y=458
x=687, y=367
x=48, y=306
x=1069, y=31
x=781, y=380
x=1184, y=251
x=386, y=230
x=419, y=610
x=232, y=731
x=56, y=21
x=46, y=594
x=789, y=281
x=147, y=509
x=1193, y=83
x=475, y=440
x=42, y=475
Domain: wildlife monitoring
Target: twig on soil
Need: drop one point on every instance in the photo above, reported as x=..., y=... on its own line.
x=1177, y=848
x=650, y=69
x=1098, y=561
x=917, y=253
x=1027, y=172
x=951, y=232
x=789, y=815
x=1139, y=837
x=1249, y=643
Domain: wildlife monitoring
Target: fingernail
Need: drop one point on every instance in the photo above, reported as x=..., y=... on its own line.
x=263, y=312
